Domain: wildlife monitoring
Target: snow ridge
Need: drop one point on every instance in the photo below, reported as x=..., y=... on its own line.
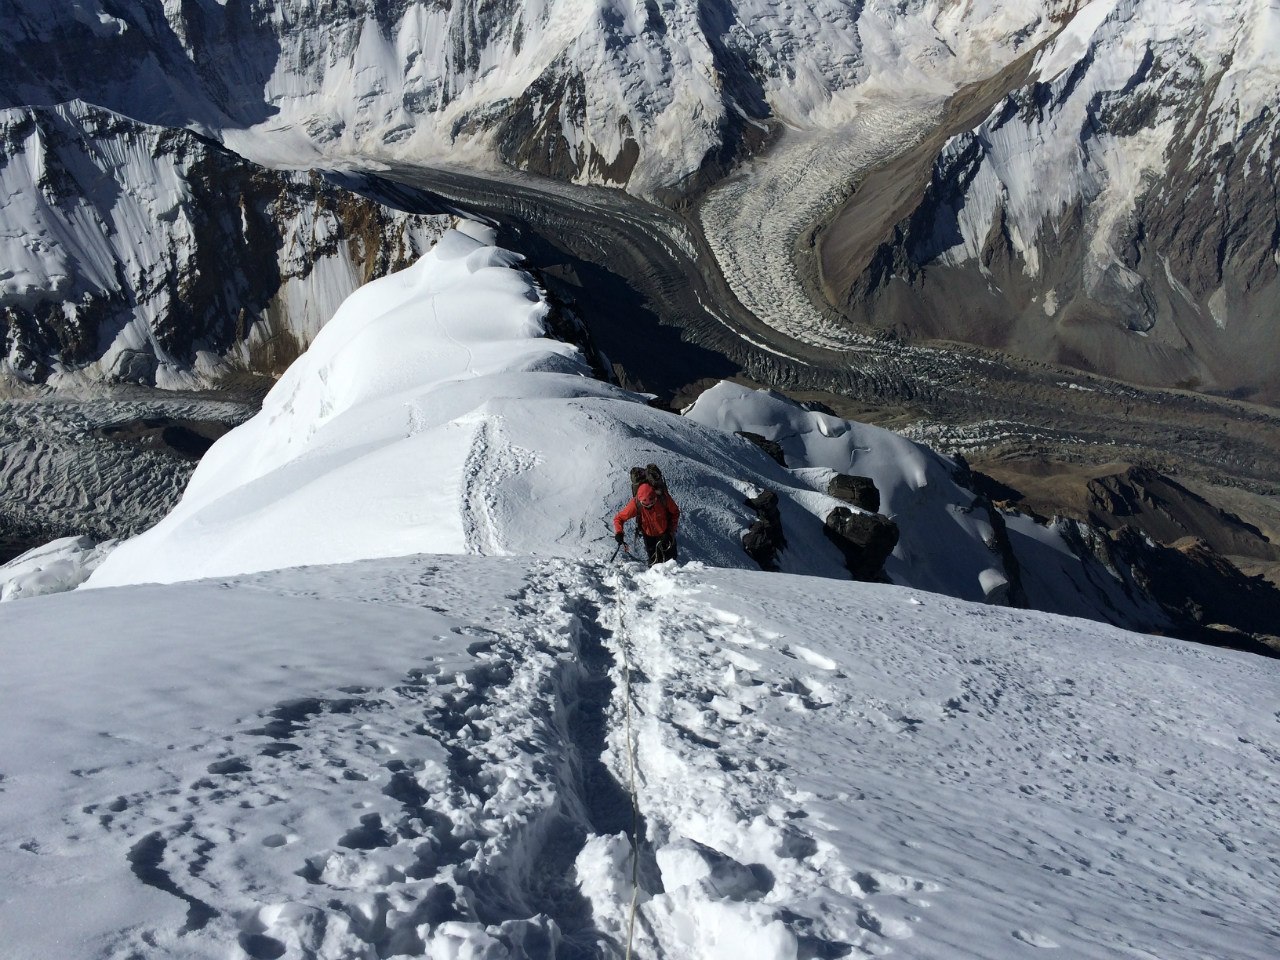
x=438, y=389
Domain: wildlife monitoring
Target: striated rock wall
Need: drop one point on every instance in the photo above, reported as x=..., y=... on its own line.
x=142, y=254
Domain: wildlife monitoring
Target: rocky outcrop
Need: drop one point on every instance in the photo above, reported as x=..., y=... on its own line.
x=771, y=447
x=865, y=539
x=1204, y=597
x=859, y=491
x=1158, y=506
x=765, y=538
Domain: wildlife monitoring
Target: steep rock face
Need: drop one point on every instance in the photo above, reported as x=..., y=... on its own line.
x=1166, y=511
x=1200, y=595
x=765, y=537
x=150, y=255
x=1119, y=213
x=860, y=491
x=865, y=539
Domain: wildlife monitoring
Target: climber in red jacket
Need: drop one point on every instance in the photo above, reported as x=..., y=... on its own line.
x=658, y=517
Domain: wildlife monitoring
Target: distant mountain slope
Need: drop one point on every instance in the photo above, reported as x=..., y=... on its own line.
x=644, y=94
x=151, y=255
x=1119, y=213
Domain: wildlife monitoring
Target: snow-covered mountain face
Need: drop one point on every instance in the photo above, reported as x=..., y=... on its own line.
x=150, y=255
x=1118, y=213
x=645, y=94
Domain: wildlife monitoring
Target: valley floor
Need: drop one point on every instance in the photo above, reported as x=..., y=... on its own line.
x=433, y=756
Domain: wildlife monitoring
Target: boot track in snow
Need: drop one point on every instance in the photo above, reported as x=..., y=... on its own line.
x=472, y=797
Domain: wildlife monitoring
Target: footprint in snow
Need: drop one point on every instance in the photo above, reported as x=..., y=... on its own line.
x=817, y=691
x=728, y=710
x=1035, y=939
x=726, y=617
x=889, y=927
x=875, y=881
x=738, y=639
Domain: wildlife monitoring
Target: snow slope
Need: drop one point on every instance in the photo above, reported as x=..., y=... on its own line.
x=432, y=414
x=952, y=541
x=410, y=744
x=428, y=757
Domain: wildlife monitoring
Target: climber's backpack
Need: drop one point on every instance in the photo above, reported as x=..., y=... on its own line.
x=650, y=475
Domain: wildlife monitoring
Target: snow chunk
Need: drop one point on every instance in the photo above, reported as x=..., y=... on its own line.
x=53, y=568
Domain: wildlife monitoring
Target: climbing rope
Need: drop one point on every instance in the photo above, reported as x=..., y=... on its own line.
x=631, y=762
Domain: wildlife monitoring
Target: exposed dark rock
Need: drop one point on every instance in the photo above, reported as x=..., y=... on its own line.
x=865, y=539
x=1204, y=595
x=771, y=447
x=1163, y=509
x=1013, y=594
x=533, y=135
x=962, y=472
x=765, y=538
x=859, y=491
x=564, y=323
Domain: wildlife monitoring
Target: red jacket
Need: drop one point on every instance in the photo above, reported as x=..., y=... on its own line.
x=662, y=517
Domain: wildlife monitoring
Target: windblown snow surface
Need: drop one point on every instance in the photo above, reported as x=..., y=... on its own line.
x=410, y=709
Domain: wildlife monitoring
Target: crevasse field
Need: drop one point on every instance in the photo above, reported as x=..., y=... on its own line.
x=375, y=688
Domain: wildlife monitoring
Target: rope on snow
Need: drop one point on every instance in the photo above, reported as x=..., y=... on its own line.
x=631, y=761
